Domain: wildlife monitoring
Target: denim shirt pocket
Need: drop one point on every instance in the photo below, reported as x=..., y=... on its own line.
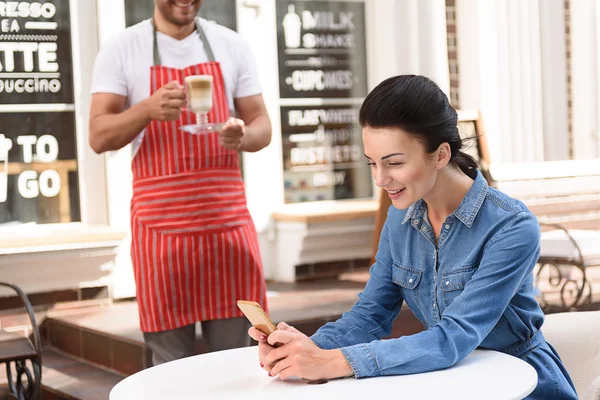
x=453, y=283
x=408, y=279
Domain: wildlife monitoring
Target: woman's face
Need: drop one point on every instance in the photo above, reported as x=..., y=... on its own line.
x=400, y=164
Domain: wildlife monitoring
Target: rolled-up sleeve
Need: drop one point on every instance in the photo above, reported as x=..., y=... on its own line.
x=508, y=260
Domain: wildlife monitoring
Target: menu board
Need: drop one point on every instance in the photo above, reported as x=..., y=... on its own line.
x=35, y=48
x=38, y=156
x=323, y=154
x=322, y=49
x=322, y=82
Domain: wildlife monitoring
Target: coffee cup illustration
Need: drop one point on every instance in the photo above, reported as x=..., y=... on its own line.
x=5, y=146
x=292, y=28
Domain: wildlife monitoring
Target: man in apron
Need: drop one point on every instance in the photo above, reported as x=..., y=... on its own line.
x=194, y=246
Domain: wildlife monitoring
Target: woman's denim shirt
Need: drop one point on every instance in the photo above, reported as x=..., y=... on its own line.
x=474, y=289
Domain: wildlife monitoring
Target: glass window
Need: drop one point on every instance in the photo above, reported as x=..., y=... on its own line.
x=322, y=82
x=38, y=150
x=323, y=156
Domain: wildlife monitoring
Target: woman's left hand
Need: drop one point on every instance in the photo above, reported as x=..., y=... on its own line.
x=300, y=357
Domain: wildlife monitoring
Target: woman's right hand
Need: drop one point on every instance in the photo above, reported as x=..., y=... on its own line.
x=264, y=348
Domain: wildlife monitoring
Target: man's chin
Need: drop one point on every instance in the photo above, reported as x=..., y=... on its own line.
x=182, y=20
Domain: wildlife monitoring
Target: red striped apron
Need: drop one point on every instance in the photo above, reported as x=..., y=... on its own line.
x=194, y=246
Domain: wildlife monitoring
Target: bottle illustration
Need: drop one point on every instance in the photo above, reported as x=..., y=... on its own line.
x=5, y=146
x=292, y=28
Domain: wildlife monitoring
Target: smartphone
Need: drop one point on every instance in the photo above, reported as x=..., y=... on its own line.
x=257, y=316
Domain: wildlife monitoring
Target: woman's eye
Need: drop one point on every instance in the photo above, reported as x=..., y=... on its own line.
x=370, y=164
x=396, y=164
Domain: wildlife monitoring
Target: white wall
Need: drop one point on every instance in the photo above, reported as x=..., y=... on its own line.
x=119, y=177
x=554, y=87
x=585, y=67
x=407, y=37
x=92, y=180
x=263, y=171
x=512, y=57
x=111, y=21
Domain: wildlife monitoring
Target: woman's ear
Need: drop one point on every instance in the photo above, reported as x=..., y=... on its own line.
x=444, y=153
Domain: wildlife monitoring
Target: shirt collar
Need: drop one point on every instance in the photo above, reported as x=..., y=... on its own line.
x=466, y=211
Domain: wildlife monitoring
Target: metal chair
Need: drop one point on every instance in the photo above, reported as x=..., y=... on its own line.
x=16, y=350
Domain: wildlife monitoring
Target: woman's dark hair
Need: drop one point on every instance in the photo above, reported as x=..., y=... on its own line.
x=418, y=106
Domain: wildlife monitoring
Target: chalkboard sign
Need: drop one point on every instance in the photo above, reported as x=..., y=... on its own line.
x=220, y=11
x=322, y=49
x=322, y=82
x=38, y=168
x=38, y=147
x=323, y=154
x=35, y=44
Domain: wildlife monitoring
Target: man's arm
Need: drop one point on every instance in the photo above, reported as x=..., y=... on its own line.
x=112, y=128
x=253, y=112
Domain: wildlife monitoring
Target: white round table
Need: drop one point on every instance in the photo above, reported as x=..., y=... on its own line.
x=236, y=374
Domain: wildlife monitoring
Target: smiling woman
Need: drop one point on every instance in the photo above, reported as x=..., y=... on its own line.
x=459, y=253
x=425, y=135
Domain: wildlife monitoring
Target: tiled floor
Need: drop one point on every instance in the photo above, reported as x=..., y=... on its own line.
x=66, y=375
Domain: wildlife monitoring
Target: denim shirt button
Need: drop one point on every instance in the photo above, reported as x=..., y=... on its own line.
x=447, y=283
x=410, y=280
x=416, y=222
x=447, y=226
x=424, y=228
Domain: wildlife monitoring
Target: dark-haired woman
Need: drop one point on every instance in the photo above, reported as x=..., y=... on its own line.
x=458, y=252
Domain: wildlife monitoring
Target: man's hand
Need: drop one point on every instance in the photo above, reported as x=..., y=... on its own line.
x=232, y=134
x=166, y=103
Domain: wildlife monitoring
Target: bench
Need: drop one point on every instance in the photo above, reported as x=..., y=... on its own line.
x=563, y=195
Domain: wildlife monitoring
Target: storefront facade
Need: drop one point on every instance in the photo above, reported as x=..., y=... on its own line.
x=65, y=210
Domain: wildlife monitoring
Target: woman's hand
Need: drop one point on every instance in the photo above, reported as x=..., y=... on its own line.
x=264, y=347
x=300, y=357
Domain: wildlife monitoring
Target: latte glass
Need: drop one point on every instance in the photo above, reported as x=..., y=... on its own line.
x=199, y=90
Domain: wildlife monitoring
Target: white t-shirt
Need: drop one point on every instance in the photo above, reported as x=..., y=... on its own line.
x=123, y=64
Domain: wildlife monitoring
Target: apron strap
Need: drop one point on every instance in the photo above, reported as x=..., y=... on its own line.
x=203, y=39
